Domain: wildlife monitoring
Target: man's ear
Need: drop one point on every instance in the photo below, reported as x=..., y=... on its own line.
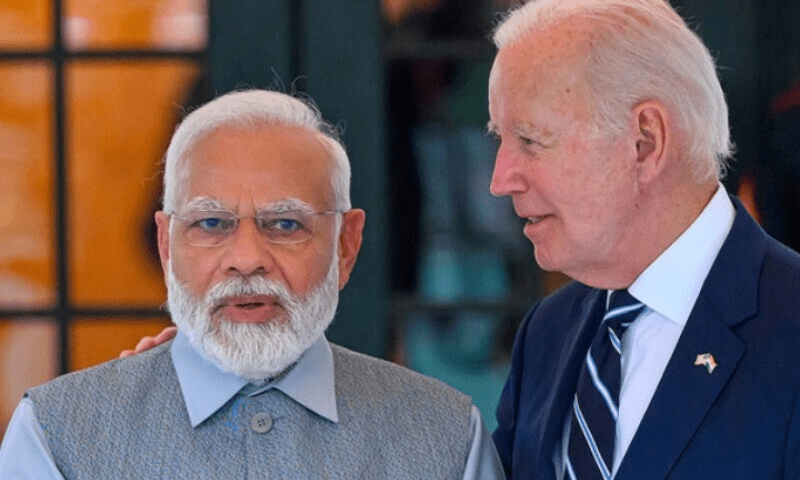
x=162, y=222
x=350, y=238
x=652, y=138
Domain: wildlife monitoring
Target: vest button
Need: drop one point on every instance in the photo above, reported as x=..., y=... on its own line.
x=261, y=423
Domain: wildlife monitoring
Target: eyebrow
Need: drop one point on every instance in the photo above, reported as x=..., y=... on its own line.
x=284, y=205
x=527, y=129
x=205, y=203
x=287, y=205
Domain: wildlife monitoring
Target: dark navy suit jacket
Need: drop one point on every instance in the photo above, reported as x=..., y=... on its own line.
x=741, y=421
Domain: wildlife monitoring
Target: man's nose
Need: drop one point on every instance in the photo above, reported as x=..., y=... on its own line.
x=248, y=251
x=506, y=176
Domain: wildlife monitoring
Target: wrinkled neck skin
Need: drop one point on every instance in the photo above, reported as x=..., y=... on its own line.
x=664, y=209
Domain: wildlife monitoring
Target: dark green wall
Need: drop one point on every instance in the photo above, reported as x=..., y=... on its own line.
x=756, y=44
x=330, y=50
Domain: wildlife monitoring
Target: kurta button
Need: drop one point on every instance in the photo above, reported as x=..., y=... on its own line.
x=261, y=423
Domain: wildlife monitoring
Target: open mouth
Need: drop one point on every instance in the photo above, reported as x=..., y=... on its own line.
x=249, y=309
x=250, y=305
x=537, y=219
x=246, y=303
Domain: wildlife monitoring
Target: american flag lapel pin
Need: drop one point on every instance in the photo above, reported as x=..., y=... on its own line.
x=706, y=360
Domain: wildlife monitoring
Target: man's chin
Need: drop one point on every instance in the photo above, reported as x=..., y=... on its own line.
x=252, y=351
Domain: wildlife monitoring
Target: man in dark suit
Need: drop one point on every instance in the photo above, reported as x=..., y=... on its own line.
x=613, y=139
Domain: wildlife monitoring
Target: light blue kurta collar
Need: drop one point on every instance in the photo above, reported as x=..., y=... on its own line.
x=206, y=388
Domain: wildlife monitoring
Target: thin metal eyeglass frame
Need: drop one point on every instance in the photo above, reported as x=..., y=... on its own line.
x=173, y=214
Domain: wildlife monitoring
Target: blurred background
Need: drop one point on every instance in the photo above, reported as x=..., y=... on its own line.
x=90, y=92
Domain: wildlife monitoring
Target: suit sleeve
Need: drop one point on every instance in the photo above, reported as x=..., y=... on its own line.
x=792, y=469
x=509, y=399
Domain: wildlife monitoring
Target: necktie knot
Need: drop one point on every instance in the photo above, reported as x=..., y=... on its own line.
x=622, y=311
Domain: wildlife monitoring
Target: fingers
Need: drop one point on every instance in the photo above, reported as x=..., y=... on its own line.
x=145, y=343
x=148, y=342
x=165, y=335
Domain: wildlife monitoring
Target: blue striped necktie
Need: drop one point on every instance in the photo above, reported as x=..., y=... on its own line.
x=596, y=404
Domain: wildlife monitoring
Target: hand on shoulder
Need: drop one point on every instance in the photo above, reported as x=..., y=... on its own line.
x=148, y=342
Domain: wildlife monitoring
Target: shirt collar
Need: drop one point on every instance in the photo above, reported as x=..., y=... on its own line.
x=206, y=388
x=672, y=283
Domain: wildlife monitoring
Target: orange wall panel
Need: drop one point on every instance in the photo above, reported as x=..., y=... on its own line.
x=120, y=118
x=162, y=24
x=26, y=186
x=27, y=358
x=96, y=340
x=25, y=24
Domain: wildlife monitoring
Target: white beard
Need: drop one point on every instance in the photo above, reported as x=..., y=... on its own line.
x=254, y=351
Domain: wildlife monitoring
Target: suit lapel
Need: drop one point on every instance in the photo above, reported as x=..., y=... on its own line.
x=578, y=338
x=683, y=397
x=687, y=392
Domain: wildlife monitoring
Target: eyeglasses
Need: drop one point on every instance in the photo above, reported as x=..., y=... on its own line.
x=212, y=228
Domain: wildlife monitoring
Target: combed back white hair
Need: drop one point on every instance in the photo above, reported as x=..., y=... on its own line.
x=250, y=110
x=641, y=50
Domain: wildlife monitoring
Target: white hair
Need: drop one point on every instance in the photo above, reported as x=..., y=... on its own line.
x=641, y=50
x=252, y=109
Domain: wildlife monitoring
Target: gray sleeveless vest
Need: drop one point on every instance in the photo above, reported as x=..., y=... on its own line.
x=127, y=419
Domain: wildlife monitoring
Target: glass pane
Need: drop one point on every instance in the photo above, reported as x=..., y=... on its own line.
x=462, y=272
x=96, y=340
x=26, y=186
x=25, y=24
x=459, y=348
x=120, y=116
x=161, y=24
x=27, y=358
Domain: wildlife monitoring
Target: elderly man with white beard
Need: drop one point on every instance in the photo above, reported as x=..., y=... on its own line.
x=256, y=239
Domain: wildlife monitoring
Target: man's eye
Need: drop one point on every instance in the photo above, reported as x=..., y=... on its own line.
x=213, y=223
x=284, y=225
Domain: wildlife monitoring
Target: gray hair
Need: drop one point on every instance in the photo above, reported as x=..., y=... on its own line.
x=641, y=50
x=251, y=109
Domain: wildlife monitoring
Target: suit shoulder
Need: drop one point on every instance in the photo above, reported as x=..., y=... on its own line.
x=370, y=391
x=565, y=302
x=781, y=258
x=780, y=279
x=356, y=370
x=118, y=375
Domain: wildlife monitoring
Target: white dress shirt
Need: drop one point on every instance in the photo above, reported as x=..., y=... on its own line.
x=669, y=288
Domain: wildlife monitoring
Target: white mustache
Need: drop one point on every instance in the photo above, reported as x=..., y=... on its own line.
x=254, y=351
x=249, y=286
